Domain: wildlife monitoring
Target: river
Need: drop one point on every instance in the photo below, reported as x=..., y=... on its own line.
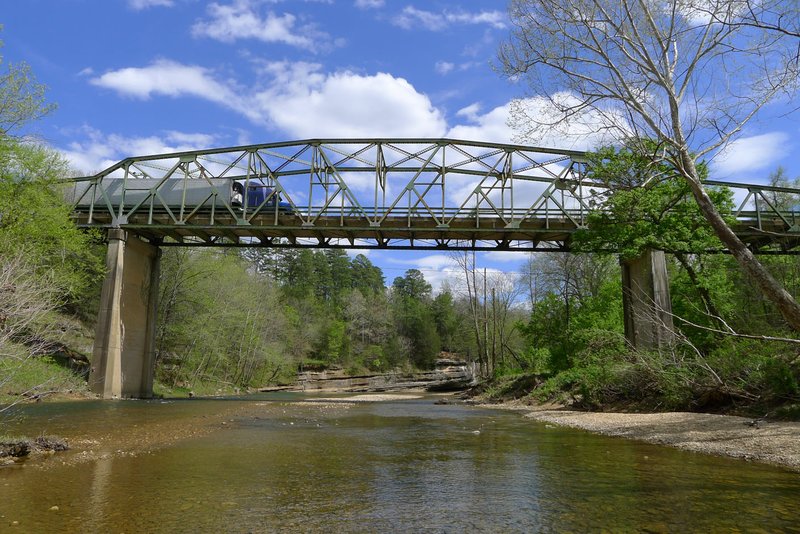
x=295, y=463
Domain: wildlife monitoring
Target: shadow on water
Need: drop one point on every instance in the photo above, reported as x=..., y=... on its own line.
x=282, y=463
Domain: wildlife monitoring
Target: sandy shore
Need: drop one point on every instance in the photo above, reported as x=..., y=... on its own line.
x=773, y=442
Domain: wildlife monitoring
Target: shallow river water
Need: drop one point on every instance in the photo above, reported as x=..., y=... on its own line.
x=283, y=462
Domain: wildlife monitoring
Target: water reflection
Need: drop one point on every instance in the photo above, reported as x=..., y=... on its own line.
x=405, y=466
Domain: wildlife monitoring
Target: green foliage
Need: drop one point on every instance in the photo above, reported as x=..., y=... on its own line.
x=366, y=277
x=447, y=319
x=35, y=219
x=218, y=322
x=647, y=206
x=29, y=376
x=413, y=286
x=415, y=317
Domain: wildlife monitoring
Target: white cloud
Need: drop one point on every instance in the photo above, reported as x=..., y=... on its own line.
x=304, y=102
x=444, y=67
x=470, y=112
x=99, y=151
x=166, y=78
x=412, y=17
x=753, y=153
x=492, y=126
x=369, y=4
x=437, y=269
x=138, y=5
x=541, y=121
x=241, y=20
x=431, y=262
x=298, y=98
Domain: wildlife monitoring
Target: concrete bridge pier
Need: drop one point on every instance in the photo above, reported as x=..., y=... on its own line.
x=646, y=301
x=124, y=348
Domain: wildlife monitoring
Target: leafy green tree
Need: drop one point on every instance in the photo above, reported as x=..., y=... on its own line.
x=415, y=318
x=35, y=218
x=416, y=323
x=219, y=322
x=366, y=277
x=447, y=320
x=782, y=200
x=341, y=275
x=413, y=285
x=646, y=206
x=323, y=288
x=271, y=261
x=301, y=275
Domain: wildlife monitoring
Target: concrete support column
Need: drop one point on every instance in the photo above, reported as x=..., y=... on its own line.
x=123, y=358
x=646, y=301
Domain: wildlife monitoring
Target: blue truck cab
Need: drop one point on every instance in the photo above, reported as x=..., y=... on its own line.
x=256, y=194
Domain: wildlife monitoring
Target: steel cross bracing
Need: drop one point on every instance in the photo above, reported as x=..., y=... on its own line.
x=376, y=193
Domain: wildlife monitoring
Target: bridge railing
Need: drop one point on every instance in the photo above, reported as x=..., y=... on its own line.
x=376, y=183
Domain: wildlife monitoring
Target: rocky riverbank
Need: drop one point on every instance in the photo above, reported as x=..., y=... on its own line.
x=773, y=442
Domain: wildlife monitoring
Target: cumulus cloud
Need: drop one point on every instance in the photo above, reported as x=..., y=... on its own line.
x=297, y=98
x=748, y=154
x=242, y=20
x=304, y=102
x=492, y=126
x=541, y=121
x=167, y=78
x=412, y=17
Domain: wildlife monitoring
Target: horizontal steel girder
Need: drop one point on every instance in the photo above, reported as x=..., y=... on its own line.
x=381, y=193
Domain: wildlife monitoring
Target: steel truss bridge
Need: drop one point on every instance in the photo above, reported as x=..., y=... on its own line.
x=377, y=193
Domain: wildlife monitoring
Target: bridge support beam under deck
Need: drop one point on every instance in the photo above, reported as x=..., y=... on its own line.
x=123, y=357
x=646, y=301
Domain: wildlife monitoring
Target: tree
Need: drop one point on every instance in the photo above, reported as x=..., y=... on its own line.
x=35, y=219
x=365, y=276
x=782, y=200
x=645, y=206
x=447, y=321
x=22, y=99
x=413, y=285
x=415, y=318
x=271, y=261
x=688, y=74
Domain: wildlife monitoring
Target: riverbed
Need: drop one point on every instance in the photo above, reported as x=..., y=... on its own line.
x=305, y=463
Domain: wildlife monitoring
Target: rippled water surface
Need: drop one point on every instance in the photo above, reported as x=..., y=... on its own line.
x=282, y=463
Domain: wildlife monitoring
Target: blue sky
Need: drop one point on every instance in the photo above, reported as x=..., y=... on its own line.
x=134, y=77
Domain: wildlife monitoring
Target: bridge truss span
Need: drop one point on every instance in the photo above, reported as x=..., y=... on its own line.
x=364, y=193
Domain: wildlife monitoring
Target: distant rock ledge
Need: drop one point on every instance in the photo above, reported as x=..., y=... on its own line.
x=448, y=375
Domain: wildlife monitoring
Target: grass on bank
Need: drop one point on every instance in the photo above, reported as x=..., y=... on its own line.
x=26, y=377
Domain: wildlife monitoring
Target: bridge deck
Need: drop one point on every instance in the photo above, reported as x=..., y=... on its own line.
x=222, y=229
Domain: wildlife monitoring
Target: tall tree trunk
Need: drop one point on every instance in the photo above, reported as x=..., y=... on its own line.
x=785, y=303
x=705, y=296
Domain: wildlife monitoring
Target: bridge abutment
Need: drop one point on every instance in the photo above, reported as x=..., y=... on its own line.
x=124, y=347
x=646, y=301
